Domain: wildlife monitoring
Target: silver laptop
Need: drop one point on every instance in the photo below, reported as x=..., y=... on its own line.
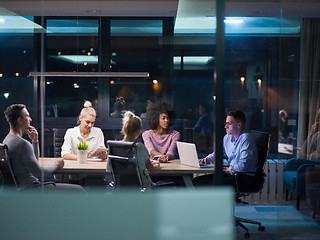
x=188, y=155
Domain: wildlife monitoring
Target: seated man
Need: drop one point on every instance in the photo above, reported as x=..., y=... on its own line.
x=239, y=148
x=23, y=156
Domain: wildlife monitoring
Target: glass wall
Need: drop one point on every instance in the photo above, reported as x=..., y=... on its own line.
x=136, y=46
x=106, y=45
x=17, y=58
x=194, y=63
x=71, y=46
x=262, y=68
x=270, y=71
x=113, y=45
x=263, y=73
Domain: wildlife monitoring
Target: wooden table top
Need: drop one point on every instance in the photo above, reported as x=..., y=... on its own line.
x=98, y=166
x=72, y=166
x=175, y=167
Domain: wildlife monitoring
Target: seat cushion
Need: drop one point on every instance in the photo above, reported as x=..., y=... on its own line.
x=290, y=181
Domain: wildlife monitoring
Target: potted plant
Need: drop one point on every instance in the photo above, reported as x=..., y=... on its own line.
x=82, y=152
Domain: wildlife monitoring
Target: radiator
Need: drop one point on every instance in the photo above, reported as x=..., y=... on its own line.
x=273, y=186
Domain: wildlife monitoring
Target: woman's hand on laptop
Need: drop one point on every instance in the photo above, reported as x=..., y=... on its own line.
x=204, y=161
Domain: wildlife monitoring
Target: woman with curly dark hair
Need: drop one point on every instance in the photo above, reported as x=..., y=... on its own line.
x=160, y=140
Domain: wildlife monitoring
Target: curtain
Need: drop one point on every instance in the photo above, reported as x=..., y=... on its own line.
x=309, y=101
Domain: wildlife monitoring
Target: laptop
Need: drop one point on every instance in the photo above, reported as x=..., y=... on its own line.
x=189, y=156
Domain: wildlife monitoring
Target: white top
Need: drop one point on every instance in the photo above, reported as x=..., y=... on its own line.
x=73, y=136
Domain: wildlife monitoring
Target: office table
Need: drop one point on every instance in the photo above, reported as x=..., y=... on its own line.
x=72, y=166
x=174, y=167
x=96, y=166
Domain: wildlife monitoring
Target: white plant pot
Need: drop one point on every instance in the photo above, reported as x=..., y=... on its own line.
x=82, y=156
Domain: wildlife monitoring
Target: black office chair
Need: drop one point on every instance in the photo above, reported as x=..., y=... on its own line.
x=262, y=140
x=124, y=166
x=58, y=138
x=7, y=178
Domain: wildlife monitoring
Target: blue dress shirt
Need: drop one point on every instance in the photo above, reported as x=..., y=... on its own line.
x=242, y=154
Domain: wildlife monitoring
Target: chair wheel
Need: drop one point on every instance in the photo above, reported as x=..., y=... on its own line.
x=247, y=235
x=261, y=228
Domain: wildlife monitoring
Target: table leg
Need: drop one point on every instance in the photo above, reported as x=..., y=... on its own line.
x=187, y=178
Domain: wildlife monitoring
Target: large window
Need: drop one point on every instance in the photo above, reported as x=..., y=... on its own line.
x=262, y=68
x=104, y=45
x=136, y=46
x=17, y=56
x=72, y=45
x=261, y=77
x=261, y=72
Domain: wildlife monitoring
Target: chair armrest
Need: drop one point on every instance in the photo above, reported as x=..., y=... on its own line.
x=294, y=163
x=303, y=168
x=301, y=178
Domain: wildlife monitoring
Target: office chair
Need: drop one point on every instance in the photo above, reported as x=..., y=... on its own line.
x=7, y=178
x=294, y=177
x=262, y=141
x=125, y=168
x=122, y=157
x=58, y=138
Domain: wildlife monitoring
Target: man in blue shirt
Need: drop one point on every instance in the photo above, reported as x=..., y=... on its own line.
x=240, y=150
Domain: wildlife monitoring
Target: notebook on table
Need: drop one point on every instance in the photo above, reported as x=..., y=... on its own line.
x=189, y=156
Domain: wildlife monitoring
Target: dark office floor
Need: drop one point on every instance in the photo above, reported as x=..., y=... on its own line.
x=281, y=220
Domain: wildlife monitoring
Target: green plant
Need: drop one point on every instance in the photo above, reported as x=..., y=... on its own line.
x=82, y=146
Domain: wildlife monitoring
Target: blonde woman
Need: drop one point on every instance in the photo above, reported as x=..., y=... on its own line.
x=131, y=128
x=85, y=132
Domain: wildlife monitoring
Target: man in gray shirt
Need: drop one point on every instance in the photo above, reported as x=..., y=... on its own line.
x=23, y=155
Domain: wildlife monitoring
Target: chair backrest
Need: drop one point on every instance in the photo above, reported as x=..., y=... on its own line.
x=262, y=140
x=58, y=138
x=7, y=178
x=122, y=157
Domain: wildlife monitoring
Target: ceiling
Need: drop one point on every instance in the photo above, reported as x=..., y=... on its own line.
x=191, y=16
x=163, y=8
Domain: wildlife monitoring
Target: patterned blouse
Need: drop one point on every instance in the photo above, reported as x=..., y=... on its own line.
x=165, y=145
